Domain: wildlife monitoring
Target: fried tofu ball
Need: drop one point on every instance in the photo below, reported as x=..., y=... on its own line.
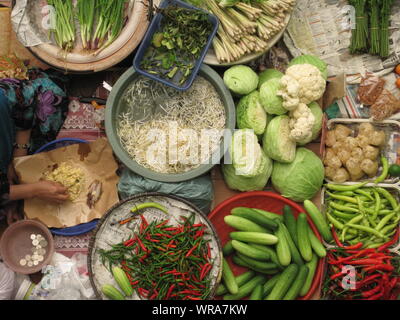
x=366, y=129
x=339, y=145
x=354, y=168
x=369, y=167
x=342, y=132
x=357, y=153
x=351, y=143
x=330, y=138
x=378, y=138
x=330, y=172
x=371, y=152
x=333, y=162
x=341, y=175
x=343, y=155
x=363, y=141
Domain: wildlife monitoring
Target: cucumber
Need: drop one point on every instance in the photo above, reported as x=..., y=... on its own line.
x=284, y=282
x=256, y=263
x=294, y=252
x=228, y=278
x=290, y=222
x=282, y=247
x=270, y=284
x=123, y=282
x=240, y=262
x=302, y=235
x=254, y=237
x=257, y=293
x=272, y=253
x=270, y=215
x=316, y=245
x=246, y=289
x=312, y=267
x=298, y=283
x=243, y=224
x=319, y=220
x=255, y=216
x=240, y=280
x=249, y=251
x=227, y=250
x=112, y=293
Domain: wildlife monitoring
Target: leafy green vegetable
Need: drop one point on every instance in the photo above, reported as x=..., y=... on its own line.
x=313, y=60
x=269, y=98
x=276, y=141
x=316, y=129
x=250, y=114
x=267, y=75
x=301, y=179
x=241, y=79
x=241, y=183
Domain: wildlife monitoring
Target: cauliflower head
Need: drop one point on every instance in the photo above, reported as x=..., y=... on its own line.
x=302, y=83
x=301, y=123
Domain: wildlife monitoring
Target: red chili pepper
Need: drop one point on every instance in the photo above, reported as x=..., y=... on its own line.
x=336, y=238
x=383, y=267
x=144, y=221
x=171, y=229
x=141, y=244
x=354, y=247
x=208, y=250
x=376, y=296
x=170, y=291
x=162, y=224
x=134, y=282
x=192, y=298
x=191, y=250
x=129, y=242
x=206, y=268
x=190, y=292
x=198, y=225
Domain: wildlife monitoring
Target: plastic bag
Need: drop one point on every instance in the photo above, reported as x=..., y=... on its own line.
x=7, y=279
x=370, y=89
x=198, y=191
x=385, y=106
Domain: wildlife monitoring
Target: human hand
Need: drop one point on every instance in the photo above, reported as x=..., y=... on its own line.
x=50, y=191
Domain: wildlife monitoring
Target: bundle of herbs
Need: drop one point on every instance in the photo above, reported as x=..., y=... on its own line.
x=177, y=45
x=371, y=33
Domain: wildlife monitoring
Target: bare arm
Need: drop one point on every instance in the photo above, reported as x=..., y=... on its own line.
x=45, y=190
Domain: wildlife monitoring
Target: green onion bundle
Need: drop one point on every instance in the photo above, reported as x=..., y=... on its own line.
x=384, y=29
x=64, y=33
x=86, y=12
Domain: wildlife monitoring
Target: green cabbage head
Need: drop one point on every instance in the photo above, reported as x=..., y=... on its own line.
x=271, y=102
x=267, y=75
x=241, y=79
x=316, y=129
x=250, y=114
x=242, y=183
x=315, y=61
x=301, y=179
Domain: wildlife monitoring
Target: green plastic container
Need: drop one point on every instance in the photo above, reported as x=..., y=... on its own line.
x=115, y=107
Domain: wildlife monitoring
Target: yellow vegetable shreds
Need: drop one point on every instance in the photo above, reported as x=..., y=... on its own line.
x=70, y=177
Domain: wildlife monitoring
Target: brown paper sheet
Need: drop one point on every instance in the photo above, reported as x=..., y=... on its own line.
x=95, y=159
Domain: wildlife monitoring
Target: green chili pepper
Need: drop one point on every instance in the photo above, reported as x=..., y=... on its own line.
x=389, y=227
x=389, y=197
x=366, y=229
x=343, y=198
x=339, y=187
x=149, y=205
x=384, y=221
x=342, y=207
x=343, y=215
x=365, y=193
x=345, y=193
x=337, y=224
x=385, y=170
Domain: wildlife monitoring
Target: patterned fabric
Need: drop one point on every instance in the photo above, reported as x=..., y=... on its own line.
x=38, y=104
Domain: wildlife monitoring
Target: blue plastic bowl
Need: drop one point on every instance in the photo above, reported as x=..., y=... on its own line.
x=80, y=228
x=155, y=26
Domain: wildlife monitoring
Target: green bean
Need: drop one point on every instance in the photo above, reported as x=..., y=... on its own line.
x=339, y=187
x=344, y=198
x=385, y=170
x=366, y=229
x=342, y=207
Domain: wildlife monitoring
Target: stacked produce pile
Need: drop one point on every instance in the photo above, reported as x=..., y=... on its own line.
x=281, y=253
x=161, y=261
x=245, y=26
x=281, y=111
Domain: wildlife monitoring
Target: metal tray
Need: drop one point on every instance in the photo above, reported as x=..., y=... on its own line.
x=390, y=151
x=395, y=191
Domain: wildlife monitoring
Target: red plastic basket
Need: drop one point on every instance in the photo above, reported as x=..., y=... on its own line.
x=268, y=201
